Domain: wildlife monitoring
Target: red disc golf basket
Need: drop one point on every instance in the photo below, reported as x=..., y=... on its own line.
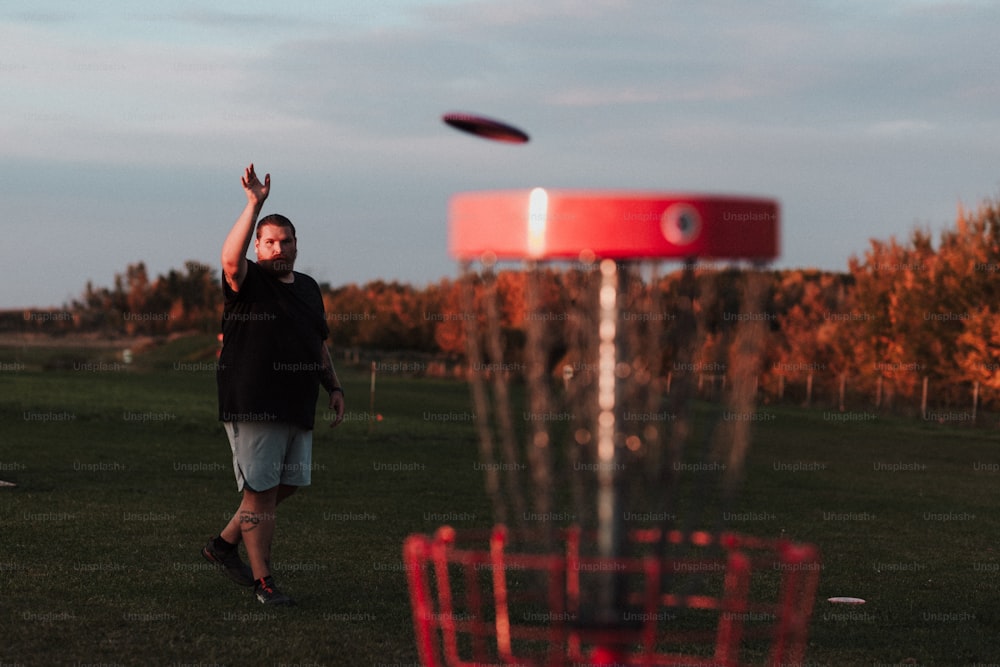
x=477, y=603
x=603, y=552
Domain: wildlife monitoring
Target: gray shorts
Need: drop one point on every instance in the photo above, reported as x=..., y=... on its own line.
x=266, y=454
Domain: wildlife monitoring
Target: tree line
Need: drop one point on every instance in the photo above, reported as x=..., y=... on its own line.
x=905, y=313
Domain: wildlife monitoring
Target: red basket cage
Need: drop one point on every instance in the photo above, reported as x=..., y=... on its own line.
x=484, y=599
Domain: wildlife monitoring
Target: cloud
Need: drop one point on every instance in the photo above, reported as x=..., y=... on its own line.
x=494, y=14
x=900, y=127
x=236, y=19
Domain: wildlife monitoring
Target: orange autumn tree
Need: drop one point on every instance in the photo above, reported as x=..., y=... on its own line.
x=812, y=345
x=932, y=308
x=974, y=250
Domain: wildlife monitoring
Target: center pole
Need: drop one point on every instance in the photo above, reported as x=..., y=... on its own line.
x=610, y=514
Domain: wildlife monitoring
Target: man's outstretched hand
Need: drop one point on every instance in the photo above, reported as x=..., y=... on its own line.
x=256, y=191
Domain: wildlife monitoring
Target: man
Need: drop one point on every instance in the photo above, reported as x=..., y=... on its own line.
x=273, y=360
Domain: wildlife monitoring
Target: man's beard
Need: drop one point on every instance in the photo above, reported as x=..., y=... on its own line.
x=279, y=268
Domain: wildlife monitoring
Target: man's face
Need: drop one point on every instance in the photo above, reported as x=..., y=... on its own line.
x=276, y=250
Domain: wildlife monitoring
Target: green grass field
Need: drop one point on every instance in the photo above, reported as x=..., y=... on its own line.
x=123, y=473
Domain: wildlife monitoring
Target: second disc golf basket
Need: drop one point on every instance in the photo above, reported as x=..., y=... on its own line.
x=614, y=404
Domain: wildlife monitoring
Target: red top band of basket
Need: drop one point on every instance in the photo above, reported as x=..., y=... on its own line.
x=561, y=224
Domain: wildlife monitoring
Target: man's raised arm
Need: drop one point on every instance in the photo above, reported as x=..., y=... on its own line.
x=234, y=249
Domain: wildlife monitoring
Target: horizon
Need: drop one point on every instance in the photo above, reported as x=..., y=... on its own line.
x=708, y=265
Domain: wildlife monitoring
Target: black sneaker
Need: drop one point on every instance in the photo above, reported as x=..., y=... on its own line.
x=267, y=593
x=230, y=563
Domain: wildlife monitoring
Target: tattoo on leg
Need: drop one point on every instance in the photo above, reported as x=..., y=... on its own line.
x=249, y=521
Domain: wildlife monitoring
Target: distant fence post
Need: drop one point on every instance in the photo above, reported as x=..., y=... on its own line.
x=371, y=401
x=923, y=401
x=975, y=399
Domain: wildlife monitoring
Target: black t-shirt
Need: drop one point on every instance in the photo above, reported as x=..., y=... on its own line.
x=272, y=341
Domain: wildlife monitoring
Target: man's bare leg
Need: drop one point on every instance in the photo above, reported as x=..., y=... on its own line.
x=253, y=524
x=256, y=520
x=232, y=532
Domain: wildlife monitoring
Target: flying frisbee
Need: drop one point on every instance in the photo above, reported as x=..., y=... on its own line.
x=845, y=600
x=484, y=127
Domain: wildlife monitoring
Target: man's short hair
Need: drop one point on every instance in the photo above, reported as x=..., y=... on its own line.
x=277, y=220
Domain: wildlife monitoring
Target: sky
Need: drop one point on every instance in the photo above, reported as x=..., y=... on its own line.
x=125, y=127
